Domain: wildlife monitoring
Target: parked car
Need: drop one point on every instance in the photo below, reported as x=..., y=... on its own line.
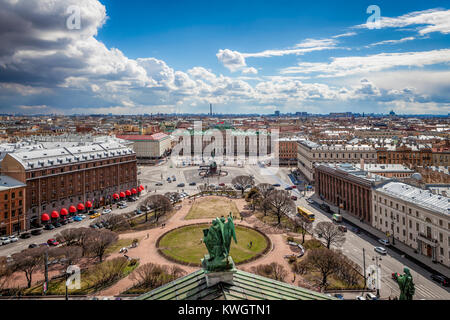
x=33, y=245
x=94, y=226
x=63, y=222
x=95, y=215
x=360, y=298
x=342, y=228
x=384, y=242
x=123, y=206
x=77, y=218
x=174, y=178
x=339, y=296
x=169, y=180
x=92, y=212
x=380, y=250
x=106, y=211
x=13, y=238
x=49, y=227
x=294, y=198
x=57, y=225
x=276, y=185
x=180, y=185
x=69, y=220
x=294, y=187
x=222, y=184
x=52, y=242
x=356, y=230
x=440, y=279
x=310, y=201
x=371, y=296
x=158, y=184
x=5, y=240
x=82, y=216
x=288, y=188
x=100, y=225
x=193, y=184
x=26, y=235
x=137, y=211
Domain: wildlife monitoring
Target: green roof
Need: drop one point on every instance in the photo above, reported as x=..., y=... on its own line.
x=245, y=286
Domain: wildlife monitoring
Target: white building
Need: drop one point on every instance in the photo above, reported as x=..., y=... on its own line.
x=310, y=153
x=416, y=217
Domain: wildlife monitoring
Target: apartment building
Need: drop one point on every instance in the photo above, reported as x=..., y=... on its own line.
x=405, y=155
x=418, y=218
x=12, y=206
x=59, y=177
x=311, y=153
x=287, y=151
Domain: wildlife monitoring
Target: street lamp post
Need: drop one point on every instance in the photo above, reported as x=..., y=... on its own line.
x=393, y=233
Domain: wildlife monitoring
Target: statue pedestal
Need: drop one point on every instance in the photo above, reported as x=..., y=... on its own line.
x=213, y=278
x=219, y=273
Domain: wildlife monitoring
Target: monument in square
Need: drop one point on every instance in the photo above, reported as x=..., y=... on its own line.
x=218, y=264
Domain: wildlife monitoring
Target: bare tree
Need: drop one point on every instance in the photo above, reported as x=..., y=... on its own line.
x=100, y=241
x=161, y=204
x=5, y=273
x=281, y=203
x=29, y=261
x=302, y=225
x=265, y=189
x=175, y=196
x=68, y=255
x=325, y=261
x=349, y=271
x=152, y=275
x=253, y=195
x=116, y=222
x=242, y=183
x=69, y=236
x=331, y=233
x=273, y=271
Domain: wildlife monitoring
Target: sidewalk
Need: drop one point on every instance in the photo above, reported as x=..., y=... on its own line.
x=419, y=259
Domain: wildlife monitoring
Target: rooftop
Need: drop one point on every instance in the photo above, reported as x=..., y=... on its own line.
x=245, y=286
x=7, y=182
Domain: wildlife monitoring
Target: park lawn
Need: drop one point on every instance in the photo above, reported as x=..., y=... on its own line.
x=88, y=282
x=185, y=244
x=212, y=208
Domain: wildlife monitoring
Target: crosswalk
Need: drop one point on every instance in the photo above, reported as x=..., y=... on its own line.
x=423, y=292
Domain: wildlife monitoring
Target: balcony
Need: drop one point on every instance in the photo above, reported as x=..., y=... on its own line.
x=428, y=240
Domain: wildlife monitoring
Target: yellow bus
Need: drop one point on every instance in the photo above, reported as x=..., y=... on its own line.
x=302, y=212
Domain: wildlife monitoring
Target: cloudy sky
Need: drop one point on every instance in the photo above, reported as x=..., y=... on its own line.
x=131, y=57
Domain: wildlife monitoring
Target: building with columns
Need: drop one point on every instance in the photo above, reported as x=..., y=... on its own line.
x=348, y=188
x=416, y=217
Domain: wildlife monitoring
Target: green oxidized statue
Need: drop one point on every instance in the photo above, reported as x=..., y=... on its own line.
x=406, y=285
x=218, y=241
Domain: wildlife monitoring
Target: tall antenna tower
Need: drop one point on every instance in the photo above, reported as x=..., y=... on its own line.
x=210, y=109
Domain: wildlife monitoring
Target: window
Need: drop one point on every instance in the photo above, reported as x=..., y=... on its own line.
x=13, y=195
x=417, y=227
x=6, y=196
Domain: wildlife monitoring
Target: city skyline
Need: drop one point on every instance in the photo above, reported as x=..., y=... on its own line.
x=244, y=59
